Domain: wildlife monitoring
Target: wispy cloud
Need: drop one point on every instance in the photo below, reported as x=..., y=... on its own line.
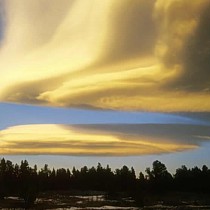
x=101, y=140
x=139, y=55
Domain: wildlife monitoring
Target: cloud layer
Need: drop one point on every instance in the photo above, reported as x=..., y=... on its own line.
x=139, y=55
x=101, y=140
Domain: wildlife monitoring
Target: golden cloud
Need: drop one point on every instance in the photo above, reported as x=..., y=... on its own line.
x=101, y=140
x=139, y=55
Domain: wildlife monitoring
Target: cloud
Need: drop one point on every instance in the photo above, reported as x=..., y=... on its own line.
x=184, y=40
x=144, y=55
x=1, y=20
x=101, y=140
x=132, y=31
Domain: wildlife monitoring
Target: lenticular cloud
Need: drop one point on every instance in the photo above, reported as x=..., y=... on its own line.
x=101, y=140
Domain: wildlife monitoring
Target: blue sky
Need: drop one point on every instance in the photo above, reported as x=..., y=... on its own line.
x=141, y=84
x=17, y=114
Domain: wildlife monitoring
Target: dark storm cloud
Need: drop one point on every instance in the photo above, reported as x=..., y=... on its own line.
x=188, y=45
x=196, y=56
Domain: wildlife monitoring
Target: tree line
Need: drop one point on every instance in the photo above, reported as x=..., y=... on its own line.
x=26, y=181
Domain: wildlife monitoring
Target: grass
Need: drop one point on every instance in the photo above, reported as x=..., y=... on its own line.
x=66, y=199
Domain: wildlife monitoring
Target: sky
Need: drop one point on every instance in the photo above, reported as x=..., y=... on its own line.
x=118, y=82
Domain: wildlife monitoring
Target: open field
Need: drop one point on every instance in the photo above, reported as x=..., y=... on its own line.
x=102, y=201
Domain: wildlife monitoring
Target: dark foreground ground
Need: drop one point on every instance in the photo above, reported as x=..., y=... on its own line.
x=103, y=201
